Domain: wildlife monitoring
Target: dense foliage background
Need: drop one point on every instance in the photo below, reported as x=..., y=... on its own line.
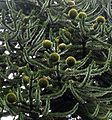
x=55, y=59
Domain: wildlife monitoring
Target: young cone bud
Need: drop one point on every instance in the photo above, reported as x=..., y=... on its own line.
x=62, y=46
x=11, y=98
x=47, y=44
x=82, y=15
x=70, y=2
x=70, y=61
x=43, y=82
x=26, y=78
x=100, y=19
x=26, y=19
x=72, y=13
x=54, y=57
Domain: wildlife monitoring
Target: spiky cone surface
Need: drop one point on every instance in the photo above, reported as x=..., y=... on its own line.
x=70, y=61
x=11, y=98
x=47, y=44
x=54, y=57
x=72, y=13
x=100, y=19
x=43, y=82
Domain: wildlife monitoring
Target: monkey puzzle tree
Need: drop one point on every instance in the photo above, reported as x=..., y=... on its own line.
x=56, y=60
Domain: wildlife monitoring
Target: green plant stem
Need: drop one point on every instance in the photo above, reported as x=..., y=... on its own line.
x=30, y=98
x=58, y=76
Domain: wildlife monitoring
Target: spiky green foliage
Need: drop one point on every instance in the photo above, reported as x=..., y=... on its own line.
x=83, y=89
